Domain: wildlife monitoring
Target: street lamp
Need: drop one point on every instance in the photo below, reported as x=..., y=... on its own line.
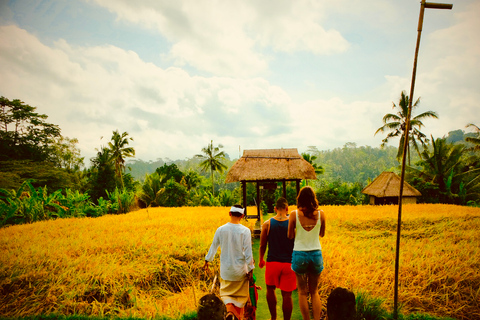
x=428, y=5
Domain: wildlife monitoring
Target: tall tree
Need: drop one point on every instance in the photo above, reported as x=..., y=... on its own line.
x=101, y=174
x=66, y=155
x=119, y=150
x=212, y=160
x=24, y=133
x=395, y=125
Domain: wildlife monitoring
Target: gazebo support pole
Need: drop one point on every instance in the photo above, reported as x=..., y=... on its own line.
x=284, y=183
x=258, y=201
x=244, y=190
x=298, y=186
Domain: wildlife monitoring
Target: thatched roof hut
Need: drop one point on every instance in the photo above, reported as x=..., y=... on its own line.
x=385, y=189
x=265, y=167
x=270, y=164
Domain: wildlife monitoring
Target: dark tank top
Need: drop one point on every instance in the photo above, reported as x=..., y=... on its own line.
x=280, y=248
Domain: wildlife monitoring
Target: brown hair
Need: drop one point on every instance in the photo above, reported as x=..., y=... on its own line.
x=282, y=203
x=307, y=201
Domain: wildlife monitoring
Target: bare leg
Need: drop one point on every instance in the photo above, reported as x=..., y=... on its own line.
x=287, y=305
x=272, y=301
x=302, y=287
x=313, y=281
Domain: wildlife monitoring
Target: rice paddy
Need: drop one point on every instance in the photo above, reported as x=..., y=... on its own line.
x=148, y=263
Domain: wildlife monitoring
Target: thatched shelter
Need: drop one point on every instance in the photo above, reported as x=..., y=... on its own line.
x=266, y=167
x=385, y=189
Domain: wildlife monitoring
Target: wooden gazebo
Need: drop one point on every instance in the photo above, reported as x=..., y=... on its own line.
x=266, y=167
x=385, y=189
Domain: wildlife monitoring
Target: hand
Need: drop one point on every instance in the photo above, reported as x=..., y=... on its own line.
x=261, y=263
x=250, y=276
x=205, y=267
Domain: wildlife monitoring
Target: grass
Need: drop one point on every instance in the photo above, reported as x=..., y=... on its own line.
x=262, y=310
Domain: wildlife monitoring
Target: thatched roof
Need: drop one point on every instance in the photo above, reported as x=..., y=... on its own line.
x=270, y=164
x=387, y=184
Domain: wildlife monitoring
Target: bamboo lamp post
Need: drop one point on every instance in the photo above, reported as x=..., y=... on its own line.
x=424, y=5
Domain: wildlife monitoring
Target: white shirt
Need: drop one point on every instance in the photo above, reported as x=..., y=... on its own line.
x=307, y=240
x=236, y=259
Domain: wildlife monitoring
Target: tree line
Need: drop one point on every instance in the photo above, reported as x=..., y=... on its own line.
x=43, y=172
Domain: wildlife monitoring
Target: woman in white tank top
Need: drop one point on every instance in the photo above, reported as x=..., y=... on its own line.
x=307, y=225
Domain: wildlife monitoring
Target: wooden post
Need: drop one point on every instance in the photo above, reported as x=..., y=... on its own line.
x=298, y=186
x=423, y=5
x=258, y=201
x=284, y=188
x=244, y=190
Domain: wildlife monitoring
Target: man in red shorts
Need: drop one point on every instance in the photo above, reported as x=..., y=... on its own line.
x=278, y=271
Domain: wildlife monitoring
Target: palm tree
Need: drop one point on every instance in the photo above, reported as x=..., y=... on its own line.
x=474, y=140
x=102, y=174
x=396, y=125
x=310, y=159
x=444, y=166
x=212, y=157
x=152, y=189
x=119, y=151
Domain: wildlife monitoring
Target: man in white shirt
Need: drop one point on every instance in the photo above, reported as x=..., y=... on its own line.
x=236, y=262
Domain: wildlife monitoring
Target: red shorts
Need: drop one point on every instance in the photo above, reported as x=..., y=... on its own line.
x=280, y=275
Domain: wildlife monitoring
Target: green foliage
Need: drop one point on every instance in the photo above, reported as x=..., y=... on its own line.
x=24, y=134
x=170, y=172
x=311, y=159
x=174, y=194
x=447, y=175
x=395, y=125
x=191, y=180
x=28, y=204
x=64, y=154
x=263, y=208
x=121, y=200
x=340, y=193
x=207, y=199
x=152, y=189
x=227, y=198
x=101, y=175
x=356, y=164
x=13, y=173
x=369, y=308
x=212, y=160
x=119, y=150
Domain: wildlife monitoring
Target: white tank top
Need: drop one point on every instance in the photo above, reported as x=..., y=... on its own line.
x=307, y=240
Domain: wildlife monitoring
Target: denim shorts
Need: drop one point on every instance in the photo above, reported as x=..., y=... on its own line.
x=307, y=262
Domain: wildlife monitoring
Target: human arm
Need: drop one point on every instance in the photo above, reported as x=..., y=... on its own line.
x=292, y=220
x=323, y=221
x=263, y=243
x=213, y=250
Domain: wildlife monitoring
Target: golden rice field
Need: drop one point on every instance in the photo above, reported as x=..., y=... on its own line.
x=149, y=262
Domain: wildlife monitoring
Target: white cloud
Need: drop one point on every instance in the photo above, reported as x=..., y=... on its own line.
x=174, y=110
x=227, y=38
x=91, y=91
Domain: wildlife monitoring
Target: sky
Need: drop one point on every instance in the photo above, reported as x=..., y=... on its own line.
x=247, y=74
